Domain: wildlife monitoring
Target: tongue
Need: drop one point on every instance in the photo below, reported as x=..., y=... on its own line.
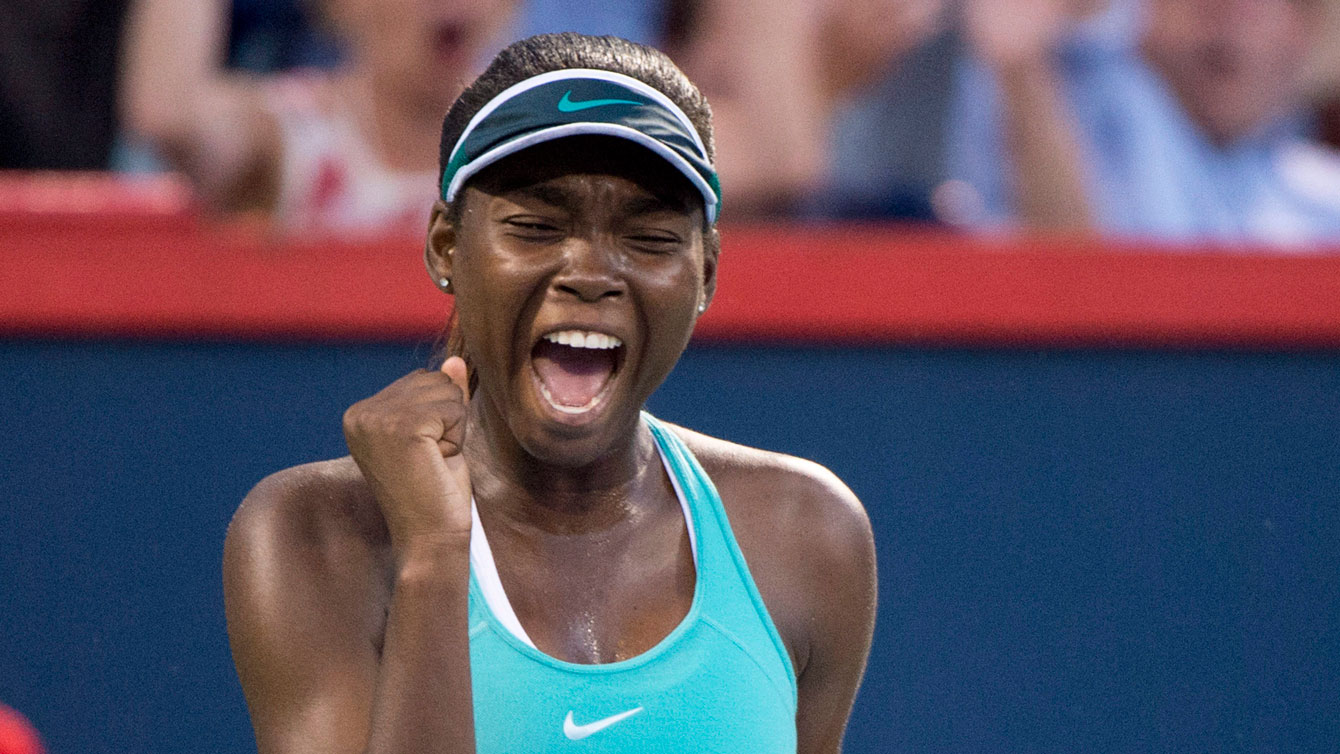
x=573, y=376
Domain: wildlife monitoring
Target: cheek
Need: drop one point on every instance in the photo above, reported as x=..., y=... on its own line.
x=674, y=309
x=675, y=283
x=494, y=294
x=486, y=337
x=473, y=299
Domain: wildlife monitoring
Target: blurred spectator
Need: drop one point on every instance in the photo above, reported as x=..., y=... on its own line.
x=57, y=82
x=350, y=150
x=1237, y=68
x=888, y=140
x=776, y=73
x=1060, y=123
x=1032, y=72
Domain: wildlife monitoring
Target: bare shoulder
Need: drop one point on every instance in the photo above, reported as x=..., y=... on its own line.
x=761, y=487
x=307, y=544
x=306, y=511
x=805, y=535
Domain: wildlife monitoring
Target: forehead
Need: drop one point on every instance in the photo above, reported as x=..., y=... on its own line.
x=553, y=161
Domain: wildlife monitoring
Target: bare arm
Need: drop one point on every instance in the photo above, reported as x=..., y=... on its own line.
x=1017, y=40
x=176, y=93
x=312, y=566
x=837, y=564
x=811, y=552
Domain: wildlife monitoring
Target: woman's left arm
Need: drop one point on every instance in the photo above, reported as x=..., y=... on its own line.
x=811, y=553
x=839, y=578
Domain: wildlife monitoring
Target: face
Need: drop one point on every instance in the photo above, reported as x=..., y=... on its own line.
x=579, y=267
x=429, y=47
x=1234, y=64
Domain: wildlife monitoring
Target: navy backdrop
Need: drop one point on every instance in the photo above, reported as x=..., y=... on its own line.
x=1118, y=551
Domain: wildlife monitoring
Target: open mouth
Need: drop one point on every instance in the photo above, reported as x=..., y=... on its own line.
x=575, y=368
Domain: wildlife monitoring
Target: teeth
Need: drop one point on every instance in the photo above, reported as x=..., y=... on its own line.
x=583, y=339
x=544, y=390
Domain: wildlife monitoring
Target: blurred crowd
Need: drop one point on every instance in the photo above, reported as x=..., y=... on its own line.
x=1163, y=120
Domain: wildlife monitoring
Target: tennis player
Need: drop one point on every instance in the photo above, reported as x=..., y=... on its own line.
x=516, y=557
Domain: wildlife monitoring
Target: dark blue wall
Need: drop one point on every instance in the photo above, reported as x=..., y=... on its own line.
x=1079, y=551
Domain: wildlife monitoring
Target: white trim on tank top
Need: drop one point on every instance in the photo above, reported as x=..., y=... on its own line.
x=485, y=568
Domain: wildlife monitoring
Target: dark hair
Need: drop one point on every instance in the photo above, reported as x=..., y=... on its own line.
x=543, y=53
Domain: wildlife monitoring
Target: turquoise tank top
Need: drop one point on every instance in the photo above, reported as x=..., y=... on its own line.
x=721, y=681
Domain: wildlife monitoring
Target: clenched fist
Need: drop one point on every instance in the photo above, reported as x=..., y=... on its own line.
x=407, y=440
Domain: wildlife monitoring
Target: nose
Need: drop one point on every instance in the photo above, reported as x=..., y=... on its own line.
x=590, y=271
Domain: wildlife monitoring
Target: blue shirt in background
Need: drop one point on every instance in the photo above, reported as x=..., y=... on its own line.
x=1153, y=173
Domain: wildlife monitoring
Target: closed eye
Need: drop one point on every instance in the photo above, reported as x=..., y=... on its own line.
x=655, y=242
x=532, y=228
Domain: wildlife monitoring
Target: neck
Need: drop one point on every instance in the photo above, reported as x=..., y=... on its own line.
x=511, y=482
x=403, y=131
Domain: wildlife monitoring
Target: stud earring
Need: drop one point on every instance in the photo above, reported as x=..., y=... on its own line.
x=702, y=307
x=444, y=284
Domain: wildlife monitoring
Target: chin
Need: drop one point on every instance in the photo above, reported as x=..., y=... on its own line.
x=573, y=447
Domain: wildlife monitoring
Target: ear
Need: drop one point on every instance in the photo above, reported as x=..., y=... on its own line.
x=441, y=242
x=711, y=252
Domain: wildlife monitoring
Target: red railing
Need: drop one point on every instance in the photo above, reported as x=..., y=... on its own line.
x=100, y=257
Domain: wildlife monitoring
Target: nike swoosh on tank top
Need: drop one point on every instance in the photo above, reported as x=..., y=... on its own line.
x=721, y=681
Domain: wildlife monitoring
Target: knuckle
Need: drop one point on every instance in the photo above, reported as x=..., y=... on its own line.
x=397, y=424
x=354, y=417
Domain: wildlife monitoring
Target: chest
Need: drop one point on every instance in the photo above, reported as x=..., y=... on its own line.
x=700, y=691
x=598, y=599
x=696, y=661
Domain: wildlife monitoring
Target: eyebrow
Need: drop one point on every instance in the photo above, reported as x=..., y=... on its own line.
x=640, y=205
x=546, y=193
x=646, y=205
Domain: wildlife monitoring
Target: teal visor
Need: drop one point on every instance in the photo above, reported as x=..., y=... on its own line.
x=577, y=102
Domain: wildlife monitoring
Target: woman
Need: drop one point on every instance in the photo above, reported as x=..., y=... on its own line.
x=351, y=150
x=512, y=534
